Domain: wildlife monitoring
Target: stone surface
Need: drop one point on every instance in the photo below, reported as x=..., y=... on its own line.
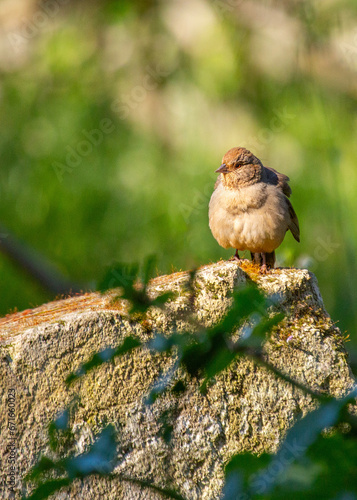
x=247, y=408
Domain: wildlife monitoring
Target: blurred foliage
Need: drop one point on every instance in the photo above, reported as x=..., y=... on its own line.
x=126, y=278
x=322, y=442
x=111, y=133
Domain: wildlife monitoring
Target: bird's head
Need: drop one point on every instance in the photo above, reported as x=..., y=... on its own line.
x=240, y=167
x=235, y=158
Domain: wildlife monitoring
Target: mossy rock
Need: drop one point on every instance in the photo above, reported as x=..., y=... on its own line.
x=246, y=408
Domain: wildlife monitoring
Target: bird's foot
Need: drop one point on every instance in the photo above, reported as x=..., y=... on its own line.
x=263, y=269
x=265, y=265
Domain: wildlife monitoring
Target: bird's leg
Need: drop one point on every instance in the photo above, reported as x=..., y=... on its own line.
x=236, y=256
x=256, y=258
x=264, y=268
x=270, y=259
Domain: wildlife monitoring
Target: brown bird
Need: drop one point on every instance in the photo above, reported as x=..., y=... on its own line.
x=249, y=208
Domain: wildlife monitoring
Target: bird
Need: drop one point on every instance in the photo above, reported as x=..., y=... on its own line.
x=250, y=207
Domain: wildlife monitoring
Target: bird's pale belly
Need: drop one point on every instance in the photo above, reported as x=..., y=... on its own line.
x=258, y=231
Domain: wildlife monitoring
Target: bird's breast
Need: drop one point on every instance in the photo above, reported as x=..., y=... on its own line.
x=234, y=202
x=253, y=218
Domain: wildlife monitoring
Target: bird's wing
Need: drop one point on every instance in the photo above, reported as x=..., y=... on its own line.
x=294, y=223
x=278, y=179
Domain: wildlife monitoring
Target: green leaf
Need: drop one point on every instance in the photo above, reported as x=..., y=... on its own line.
x=149, y=268
x=239, y=471
x=255, y=335
x=161, y=300
x=44, y=465
x=59, y=424
x=99, y=459
x=246, y=301
x=45, y=490
x=221, y=359
x=119, y=275
x=178, y=388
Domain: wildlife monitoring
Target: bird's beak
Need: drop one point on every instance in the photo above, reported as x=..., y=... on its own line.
x=223, y=169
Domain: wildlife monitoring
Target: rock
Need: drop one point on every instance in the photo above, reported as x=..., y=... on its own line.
x=248, y=408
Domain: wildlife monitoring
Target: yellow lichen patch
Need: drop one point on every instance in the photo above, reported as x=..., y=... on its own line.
x=250, y=268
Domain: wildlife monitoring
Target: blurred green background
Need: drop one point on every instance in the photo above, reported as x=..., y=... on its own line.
x=115, y=115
